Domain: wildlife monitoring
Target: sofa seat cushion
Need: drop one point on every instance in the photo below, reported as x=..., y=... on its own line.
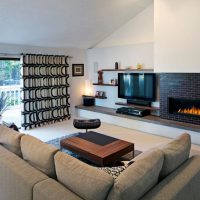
x=50, y=189
x=17, y=177
x=175, y=153
x=39, y=154
x=84, y=180
x=138, y=178
x=10, y=139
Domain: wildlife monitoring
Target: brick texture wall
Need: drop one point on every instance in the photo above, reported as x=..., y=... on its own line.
x=179, y=85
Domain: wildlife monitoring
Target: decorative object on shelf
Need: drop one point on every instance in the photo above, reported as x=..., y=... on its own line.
x=88, y=100
x=45, y=89
x=113, y=81
x=116, y=65
x=139, y=66
x=100, y=94
x=77, y=69
x=100, y=77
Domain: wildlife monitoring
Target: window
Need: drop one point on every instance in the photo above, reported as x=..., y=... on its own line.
x=9, y=71
x=10, y=79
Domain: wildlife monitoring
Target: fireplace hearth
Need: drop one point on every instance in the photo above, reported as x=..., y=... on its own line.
x=180, y=97
x=182, y=106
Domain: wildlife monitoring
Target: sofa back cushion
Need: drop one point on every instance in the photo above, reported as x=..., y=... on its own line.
x=17, y=177
x=38, y=154
x=84, y=180
x=138, y=178
x=10, y=139
x=175, y=153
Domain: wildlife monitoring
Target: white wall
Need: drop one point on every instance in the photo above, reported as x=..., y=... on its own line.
x=105, y=58
x=130, y=45
x=77, y=84
x=140, y=29
x=177, y=31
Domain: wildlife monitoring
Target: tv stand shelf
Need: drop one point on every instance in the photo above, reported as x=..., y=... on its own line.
x=137, y=106
x=129, y=70
x=148, y=118
x=105, y=84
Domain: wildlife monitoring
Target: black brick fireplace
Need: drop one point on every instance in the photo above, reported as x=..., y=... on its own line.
x=180, y=97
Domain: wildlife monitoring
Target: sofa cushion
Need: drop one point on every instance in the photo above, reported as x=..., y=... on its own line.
x=175, y=153
x=138, y=178
x=50, y=189
x=84, y=180
x=39, y=154
x=181, y=184
x=10, y=139
x=17, y=177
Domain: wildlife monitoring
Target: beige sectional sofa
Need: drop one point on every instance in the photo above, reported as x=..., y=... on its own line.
x=33, y=170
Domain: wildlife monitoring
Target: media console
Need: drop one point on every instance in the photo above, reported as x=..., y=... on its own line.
x=140, y=112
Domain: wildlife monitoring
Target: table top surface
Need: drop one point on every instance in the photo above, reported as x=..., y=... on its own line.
x=95, y=143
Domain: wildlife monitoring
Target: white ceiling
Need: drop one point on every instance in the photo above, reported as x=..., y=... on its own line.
x=64, y=23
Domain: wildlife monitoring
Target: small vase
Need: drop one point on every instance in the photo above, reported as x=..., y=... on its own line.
x=100, y=77
x=116, y=65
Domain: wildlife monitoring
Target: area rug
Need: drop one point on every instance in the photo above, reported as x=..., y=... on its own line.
x=56, y=143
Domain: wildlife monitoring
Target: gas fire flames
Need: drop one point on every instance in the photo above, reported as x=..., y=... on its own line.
x=192, y=111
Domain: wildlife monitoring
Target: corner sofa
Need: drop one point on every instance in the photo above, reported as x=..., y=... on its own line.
x=33, y=170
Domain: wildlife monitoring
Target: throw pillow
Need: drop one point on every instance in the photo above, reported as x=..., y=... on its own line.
x=113, y=171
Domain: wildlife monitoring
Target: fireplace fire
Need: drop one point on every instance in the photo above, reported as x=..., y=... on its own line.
x=191, y=111
x=184, y=106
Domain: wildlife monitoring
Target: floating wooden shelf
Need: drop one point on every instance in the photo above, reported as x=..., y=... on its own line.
x=148, y=118
x=137, y=106
x=105, y=84
x=100, y=97
x=135, y=70
x=96, y=97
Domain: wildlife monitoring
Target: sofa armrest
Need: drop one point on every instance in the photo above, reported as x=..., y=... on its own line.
x=50, y=189
x=182, y=184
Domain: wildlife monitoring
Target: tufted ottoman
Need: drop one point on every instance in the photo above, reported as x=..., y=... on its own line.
x=87, y=124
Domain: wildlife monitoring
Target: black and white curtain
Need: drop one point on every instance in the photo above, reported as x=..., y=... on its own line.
x=45, y=89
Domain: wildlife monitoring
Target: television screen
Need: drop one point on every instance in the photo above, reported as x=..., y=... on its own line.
x=136, y=86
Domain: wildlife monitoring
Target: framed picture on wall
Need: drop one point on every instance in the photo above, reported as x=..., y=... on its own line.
x=77, y=69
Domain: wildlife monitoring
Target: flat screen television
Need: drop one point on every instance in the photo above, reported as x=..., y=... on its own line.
x=138, y=86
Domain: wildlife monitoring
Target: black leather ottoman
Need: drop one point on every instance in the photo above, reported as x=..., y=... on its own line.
x=87, y=124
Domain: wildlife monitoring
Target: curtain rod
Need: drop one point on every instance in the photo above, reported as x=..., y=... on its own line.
x=9, y=54
x=19, y=55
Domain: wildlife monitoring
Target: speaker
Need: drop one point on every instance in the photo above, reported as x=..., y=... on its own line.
x=88, y=101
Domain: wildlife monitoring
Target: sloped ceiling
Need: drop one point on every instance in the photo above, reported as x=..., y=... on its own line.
x=64, y=23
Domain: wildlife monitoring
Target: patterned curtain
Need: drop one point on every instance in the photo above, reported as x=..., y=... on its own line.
x=45, y=89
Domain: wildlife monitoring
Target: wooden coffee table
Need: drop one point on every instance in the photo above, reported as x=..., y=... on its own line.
x=97, y=148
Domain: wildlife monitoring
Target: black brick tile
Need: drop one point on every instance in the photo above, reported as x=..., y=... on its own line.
x=179, y=85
